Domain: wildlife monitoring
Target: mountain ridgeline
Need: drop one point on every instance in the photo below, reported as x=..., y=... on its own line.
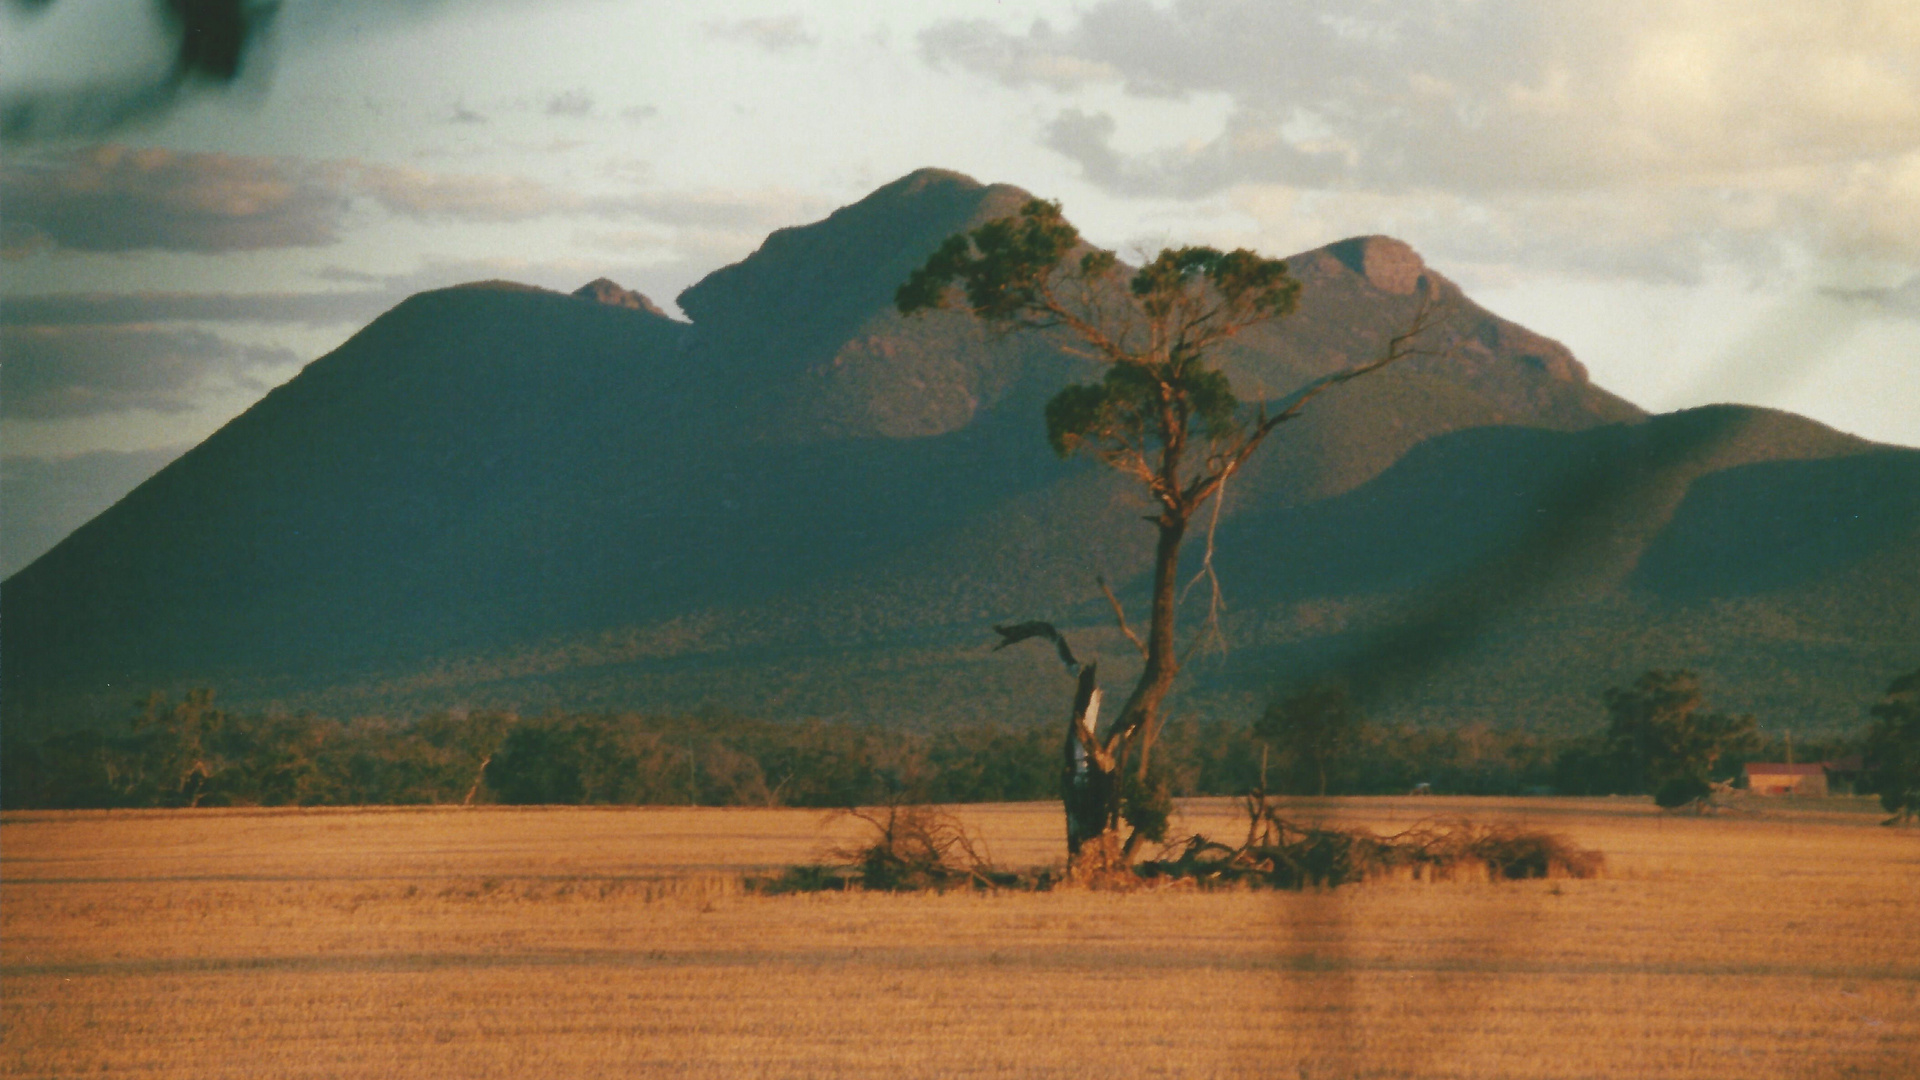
x=800, y=504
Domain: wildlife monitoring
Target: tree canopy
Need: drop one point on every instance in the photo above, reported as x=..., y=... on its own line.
x=1162, y=412
x=1663, y=737
x=1893, y=747
x=1315, y=727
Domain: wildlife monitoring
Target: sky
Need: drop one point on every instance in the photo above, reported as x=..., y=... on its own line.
x=1706, y=201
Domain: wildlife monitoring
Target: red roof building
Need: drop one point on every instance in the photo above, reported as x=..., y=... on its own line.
x=1774, y=779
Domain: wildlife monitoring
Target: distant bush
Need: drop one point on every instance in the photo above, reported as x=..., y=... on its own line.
x=1893, y=748
x=192, y=753
x=1681, y=791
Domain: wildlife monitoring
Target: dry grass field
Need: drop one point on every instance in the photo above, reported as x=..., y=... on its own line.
x=585, y=943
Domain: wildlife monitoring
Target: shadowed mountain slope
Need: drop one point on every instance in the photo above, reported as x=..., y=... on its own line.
x=801, y=504
x=804, y=338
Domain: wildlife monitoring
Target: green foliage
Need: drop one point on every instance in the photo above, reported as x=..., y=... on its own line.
x=1893, y=746
x=719, y=759
x=537, y=765
x=1147, y=803
x=189, y=753
x=1241, y=277
x=179, y=749
x=1120, y=409
x=622, y=759
x=1003, y=266
x=1659, y=732
x=1316, y=727
x=70, y=771
x=1154, y=336
x=1681, y=791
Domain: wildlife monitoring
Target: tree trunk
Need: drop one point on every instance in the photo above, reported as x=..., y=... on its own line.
x=1089, y=786
x=1163, y=663
x=1141, y=715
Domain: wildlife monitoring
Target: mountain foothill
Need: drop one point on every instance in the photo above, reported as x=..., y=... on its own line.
x=798, y=504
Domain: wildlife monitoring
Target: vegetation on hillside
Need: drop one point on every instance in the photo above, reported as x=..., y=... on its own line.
x=1893, y=748
x=446, y=511
x=190, y=752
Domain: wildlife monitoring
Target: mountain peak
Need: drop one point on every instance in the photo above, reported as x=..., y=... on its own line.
x=1371, y=286
x=920, y=180
x=493, y=285
x=847, y=265
x=609, y=292
x=1390, y=265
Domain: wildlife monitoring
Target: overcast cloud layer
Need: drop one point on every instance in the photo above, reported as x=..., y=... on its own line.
x=1687, y=132
x=114, y=198
x=71, y=371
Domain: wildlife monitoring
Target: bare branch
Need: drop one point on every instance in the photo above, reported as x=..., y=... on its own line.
x=1399, y=347
x=1215, y=602
x=1075, y=321
x=1119, y=615
x=1128, y=459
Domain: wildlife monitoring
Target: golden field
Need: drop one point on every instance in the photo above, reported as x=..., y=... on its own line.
x=493, y=942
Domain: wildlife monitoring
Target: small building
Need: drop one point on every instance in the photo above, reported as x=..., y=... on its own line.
x=1775, y=779
x=1846, y=775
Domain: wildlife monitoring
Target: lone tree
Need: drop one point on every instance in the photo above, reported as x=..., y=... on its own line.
x=1315, y=726
x=1893, y=748
x=1665, y=742
x=1162, y=414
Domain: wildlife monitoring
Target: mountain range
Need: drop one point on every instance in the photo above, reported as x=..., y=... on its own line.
x=800, y=504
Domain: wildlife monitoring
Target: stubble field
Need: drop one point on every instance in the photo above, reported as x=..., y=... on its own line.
x=583, y=942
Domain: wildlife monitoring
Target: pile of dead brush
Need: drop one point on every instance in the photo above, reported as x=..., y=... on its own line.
x=911, y=848
x=916, y=848
x=1278, y=853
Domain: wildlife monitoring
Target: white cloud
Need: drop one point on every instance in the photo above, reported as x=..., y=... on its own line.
x=1899, y=300
x=1039, y=57
x=775, y=34
x=570, y=103
x=1695, y=132
x=121, y=199
x=116, y=198
x=56, y=372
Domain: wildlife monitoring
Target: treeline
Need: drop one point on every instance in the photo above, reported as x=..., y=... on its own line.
x=1660, y=738
x=192, y=753
x=1475, y=760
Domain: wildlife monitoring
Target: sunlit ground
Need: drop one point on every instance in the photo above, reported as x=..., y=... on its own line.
x=585, y=942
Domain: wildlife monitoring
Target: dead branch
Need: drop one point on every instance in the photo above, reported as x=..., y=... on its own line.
x=1019, y=632
x=1399, y=347
x=1211, y=630
x=479, y=777
x=1086, y=719
x=1119, y=614
x=916, y=847
x=1283, y=854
